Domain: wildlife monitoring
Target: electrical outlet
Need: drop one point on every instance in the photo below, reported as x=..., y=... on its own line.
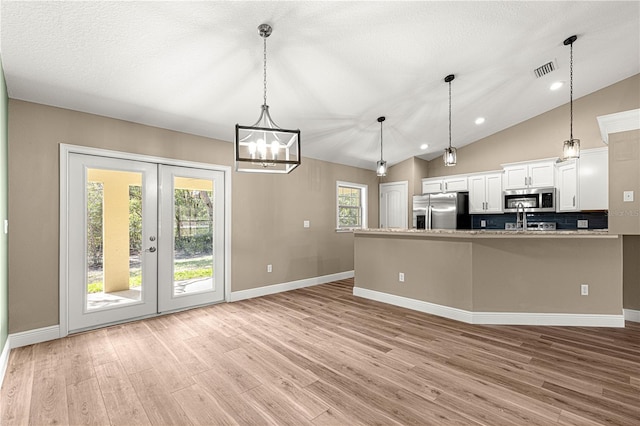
x=584, y=290
x=269, y=268
x=401, y=277
x=483, y=224
x=306, y=224
x=627, y=196
x=583, y=223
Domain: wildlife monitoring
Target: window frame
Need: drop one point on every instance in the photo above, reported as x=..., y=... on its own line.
x=364, y=205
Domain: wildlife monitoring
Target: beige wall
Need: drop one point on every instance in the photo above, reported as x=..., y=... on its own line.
x=542, y=136
x=624, y=175
x=529, y=275
x=379, y=259
x=544, y=275
x=267, y=210
x=631, y=273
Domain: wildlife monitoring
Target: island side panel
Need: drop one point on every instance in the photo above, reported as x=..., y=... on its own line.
x=631, y=273
x=544, y=275
x=436, y=270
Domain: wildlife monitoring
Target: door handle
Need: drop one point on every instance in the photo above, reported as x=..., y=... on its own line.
x=151, y=249
x=574, y=201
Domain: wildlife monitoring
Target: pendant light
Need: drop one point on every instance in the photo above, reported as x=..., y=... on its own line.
x=571, y=147
x=264, y=147
x=450, y=154
x=381, y=166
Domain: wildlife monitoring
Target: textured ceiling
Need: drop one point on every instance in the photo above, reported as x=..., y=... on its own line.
x=333, y=67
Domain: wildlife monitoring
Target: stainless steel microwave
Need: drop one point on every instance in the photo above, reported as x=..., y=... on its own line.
x=532, y=200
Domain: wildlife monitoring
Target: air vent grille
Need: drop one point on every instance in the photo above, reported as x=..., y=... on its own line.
x=544, y=69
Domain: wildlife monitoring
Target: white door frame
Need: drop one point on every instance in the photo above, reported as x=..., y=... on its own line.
x=405, y=186
x=65, y=151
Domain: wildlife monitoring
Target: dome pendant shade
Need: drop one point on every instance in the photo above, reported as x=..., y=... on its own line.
x=264, y=147
x=450, y=156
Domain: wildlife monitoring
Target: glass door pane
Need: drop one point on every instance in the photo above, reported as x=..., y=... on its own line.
x=191, y=268
x=192, y=235
x=112, y=233
x=114, y=238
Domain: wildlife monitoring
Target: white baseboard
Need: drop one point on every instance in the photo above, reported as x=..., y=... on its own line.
x=632, y=315
x=531, y=318
x=416, y=305
x=494, y=318
x=31, y=337
x=4, y=359
x=235, y=296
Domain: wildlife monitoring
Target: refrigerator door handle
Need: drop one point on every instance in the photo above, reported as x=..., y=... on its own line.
x=429, y=217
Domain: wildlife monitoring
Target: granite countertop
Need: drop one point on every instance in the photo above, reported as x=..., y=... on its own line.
x=489, y=233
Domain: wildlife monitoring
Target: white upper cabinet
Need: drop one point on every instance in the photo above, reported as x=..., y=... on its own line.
x=567, y=187
x=534, y=174
x=444, y=184
x=485, y=193
x=594, y=179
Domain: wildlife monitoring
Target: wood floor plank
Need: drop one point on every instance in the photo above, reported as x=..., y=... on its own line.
x=322, y=356
x=156, y=398
x=120, y=399
x=15, y=401
x=85, y=403
x=201, y=408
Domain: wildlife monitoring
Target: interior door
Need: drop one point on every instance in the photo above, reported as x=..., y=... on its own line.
x=394, y=205
x=191, y=245
x=112, y=266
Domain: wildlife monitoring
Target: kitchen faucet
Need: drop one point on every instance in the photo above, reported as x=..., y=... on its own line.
x=521, y=221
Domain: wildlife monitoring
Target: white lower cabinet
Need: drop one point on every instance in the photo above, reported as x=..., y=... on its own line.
x=485, y=193
x=567, y=186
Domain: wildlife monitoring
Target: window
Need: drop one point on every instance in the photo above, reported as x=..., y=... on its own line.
x=352, y=205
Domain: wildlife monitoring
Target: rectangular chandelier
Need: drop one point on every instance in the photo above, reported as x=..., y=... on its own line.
x=266, y=150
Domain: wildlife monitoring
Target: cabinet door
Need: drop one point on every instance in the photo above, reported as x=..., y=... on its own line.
x=493, y=190
x=516, y=176
x=593, y=179
x=477, y=196
x=567, y=187
x=541, y=174
x=455, y=184
x=431, y=186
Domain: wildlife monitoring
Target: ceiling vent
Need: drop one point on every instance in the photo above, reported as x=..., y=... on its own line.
x=544, y=69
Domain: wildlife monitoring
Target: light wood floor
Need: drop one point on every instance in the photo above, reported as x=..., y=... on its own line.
x=322, y=356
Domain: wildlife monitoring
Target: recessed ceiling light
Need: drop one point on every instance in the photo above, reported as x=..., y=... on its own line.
x=479, y=120
x=424, y=146
x=556, y=85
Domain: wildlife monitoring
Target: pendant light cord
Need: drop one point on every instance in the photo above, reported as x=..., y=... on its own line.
x=449, y=114
x=381, y=141
x=571, y=93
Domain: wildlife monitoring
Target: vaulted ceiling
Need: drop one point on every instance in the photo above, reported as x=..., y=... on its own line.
x=333, y=67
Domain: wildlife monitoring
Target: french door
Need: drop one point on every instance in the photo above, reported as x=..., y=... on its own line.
x=143, y=238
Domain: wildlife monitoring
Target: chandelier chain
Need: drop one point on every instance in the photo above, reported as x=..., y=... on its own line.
x=571, y=93
x=264, y=82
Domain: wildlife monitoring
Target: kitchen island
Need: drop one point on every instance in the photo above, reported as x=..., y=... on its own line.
x=495, y=277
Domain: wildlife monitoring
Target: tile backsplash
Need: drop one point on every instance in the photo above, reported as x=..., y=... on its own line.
x=597, y=220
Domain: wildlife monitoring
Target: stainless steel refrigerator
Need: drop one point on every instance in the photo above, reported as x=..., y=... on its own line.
x=449, y=210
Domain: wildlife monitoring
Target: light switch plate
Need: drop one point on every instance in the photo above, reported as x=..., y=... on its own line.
x=306, y=224
x=583, y=223
x=627, y=196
